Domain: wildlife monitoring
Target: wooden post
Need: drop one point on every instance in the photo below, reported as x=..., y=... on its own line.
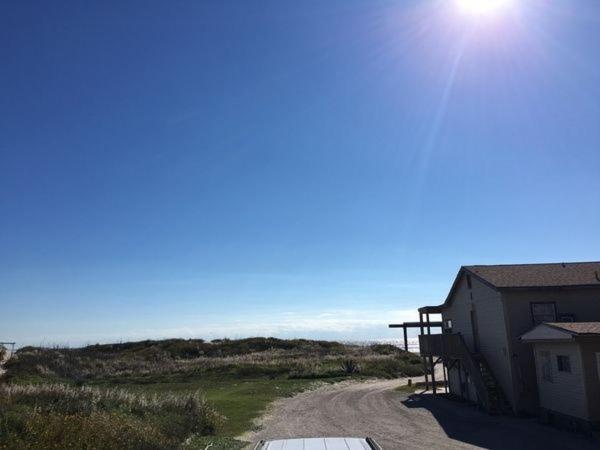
x=445, y=377
x=431, y=363
x=432, y=373
x=460, y=382
x=423, y=357
x=405, y=338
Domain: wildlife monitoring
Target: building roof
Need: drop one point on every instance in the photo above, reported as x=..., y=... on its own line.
x=578, y=328
x=539, y=275
x=528, y=276
x=561, y=331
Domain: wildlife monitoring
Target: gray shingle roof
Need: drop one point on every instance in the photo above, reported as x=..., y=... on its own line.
x=539, y=275
x=579, y=328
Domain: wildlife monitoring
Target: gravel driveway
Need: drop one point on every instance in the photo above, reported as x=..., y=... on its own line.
x=401, y=421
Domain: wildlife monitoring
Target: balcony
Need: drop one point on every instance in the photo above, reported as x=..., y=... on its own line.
x=443, y=345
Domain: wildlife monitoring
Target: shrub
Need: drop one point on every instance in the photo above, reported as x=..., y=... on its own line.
x=200, y=418
x=349, y=367
x=392, y=368
x=384, y=349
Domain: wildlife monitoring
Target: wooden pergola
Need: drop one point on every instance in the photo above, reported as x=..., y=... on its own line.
x=424, y=324
x=406, y=325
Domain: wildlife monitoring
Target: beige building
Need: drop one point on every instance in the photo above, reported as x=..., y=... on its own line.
x=567, y=360
x=484, y=315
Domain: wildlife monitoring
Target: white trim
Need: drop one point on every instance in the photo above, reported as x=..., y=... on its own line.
x=544, y=332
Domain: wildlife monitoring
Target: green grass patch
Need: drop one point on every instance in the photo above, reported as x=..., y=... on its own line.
x=240, y=401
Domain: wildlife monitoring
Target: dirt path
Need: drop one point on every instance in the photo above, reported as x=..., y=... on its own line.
x=399, y=421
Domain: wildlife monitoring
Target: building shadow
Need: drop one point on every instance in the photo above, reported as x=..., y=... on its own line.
x=466, y=423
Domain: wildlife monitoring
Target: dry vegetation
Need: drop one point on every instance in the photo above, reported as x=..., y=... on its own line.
x=121, y=395
x=61, y=416
x=152, y=360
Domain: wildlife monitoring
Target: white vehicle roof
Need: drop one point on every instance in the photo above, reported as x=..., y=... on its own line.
x=319, y=444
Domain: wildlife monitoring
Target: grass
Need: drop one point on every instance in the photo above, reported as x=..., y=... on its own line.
x=241, y=401
x=173, y=393
x=406, y=389
x=213, y=443
x=61, y=416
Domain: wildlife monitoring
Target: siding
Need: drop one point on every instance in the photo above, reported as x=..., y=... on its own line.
x=492, y=328
x=589, y=349
x=566, y=393
x=454, y=379
x=582, y=303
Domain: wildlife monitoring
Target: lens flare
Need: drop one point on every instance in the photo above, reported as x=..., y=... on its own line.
x=482, y=7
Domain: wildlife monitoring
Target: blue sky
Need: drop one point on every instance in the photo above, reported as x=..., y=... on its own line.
x=316, y=169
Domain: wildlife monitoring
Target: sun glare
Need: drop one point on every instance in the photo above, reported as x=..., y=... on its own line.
x=482, y=7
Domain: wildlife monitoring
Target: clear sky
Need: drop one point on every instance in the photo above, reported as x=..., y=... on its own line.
x=314, y=168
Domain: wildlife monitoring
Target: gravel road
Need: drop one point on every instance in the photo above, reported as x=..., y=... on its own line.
x=400, y=421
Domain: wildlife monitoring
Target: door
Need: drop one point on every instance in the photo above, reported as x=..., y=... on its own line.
x=475, y=330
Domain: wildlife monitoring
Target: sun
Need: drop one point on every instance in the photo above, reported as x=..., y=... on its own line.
x=482, y=7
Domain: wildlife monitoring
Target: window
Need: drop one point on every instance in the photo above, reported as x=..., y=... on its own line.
x=449, y=324
x=564, y=363
x=543, y=312
x=469, y=283
x=546, y=365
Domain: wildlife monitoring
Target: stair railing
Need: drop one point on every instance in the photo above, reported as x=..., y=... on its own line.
x=453, y=346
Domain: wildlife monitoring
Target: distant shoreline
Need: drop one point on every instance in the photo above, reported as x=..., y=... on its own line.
x=413, y=343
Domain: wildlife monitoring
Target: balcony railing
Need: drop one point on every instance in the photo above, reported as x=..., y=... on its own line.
x=443, y=345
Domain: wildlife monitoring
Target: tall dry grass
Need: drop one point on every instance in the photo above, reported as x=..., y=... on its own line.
x=61, y=416
x=46, y=400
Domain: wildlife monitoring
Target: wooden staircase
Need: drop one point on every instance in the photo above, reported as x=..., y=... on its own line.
x=498, y=403
x=452, y=348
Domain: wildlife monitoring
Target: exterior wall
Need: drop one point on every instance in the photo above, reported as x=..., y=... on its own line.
x=566, y=392
x=454, y=382
x=487, y=304
x=582, y=303
x=471, y=390
x=590, y=348
x=468, y=391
